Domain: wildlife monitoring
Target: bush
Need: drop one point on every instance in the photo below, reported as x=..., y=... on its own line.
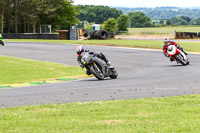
x=110, y=25
x=123, y=22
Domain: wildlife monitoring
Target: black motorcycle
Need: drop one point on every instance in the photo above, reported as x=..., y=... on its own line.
x=98, y=67
x=1, y=42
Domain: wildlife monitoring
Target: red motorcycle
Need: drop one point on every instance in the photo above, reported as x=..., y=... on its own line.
x=178, y=55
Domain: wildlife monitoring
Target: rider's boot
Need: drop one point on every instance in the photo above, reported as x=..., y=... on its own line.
x=171, y=59
x=108, y=63
x=188, y=62
x=184, y=52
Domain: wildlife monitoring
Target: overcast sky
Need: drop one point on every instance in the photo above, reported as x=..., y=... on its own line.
x=140, y=3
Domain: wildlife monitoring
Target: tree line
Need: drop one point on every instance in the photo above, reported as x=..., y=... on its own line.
x=183, y=20
x=165, y=12
x=111, y=18
x=97, y=14
x=25, y=16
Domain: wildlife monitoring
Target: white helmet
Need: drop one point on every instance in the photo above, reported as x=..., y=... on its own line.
x=80, y=49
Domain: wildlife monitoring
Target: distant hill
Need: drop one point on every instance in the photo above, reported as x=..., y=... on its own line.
x=164, y=12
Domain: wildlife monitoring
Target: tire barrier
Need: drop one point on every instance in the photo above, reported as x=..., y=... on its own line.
x=101, y=34
x=98, y=34
x=30, y=36
x=91, y=34
x=86, y=34
x=187, y=35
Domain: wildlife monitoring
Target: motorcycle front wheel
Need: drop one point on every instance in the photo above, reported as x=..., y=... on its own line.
x=180, y=59
x=96, y=71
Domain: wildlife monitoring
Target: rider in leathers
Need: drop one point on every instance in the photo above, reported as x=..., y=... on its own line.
x=167, y=42
x=1, y=42
x=80, y=50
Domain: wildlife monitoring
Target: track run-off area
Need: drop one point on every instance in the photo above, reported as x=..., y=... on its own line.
x=142, y=73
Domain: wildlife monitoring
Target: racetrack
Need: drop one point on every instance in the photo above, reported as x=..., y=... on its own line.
x=142, y=73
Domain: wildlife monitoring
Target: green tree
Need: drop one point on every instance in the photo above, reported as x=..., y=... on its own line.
x=161, y=21
x=18, y=16
x=187, y=19
x=97, y=14
x=178, y=21
x=110, y=25
x=159, y=13
x=87, y=25
x=198, y=21
x=169, y=22
x=193, y=22
x=123, y=22
x=63, y=17
x=2, y=10
x=139, y=19
x=42, y=8
x=3, y=14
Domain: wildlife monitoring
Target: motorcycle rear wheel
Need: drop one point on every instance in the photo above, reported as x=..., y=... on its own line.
x=114, y=74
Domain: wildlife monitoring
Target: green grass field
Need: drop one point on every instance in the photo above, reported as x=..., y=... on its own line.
x=16, y=70
x=164, y=30
x=158, y=115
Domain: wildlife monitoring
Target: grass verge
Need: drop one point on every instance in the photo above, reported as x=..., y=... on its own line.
x=16, y=70
x=168, y=114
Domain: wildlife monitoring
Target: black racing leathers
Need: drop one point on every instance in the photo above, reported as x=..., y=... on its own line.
x=99, y=55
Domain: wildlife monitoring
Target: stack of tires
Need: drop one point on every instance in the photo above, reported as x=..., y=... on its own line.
x=97, y=34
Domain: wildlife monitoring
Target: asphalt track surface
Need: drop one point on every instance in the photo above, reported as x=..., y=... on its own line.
x=142, y=73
